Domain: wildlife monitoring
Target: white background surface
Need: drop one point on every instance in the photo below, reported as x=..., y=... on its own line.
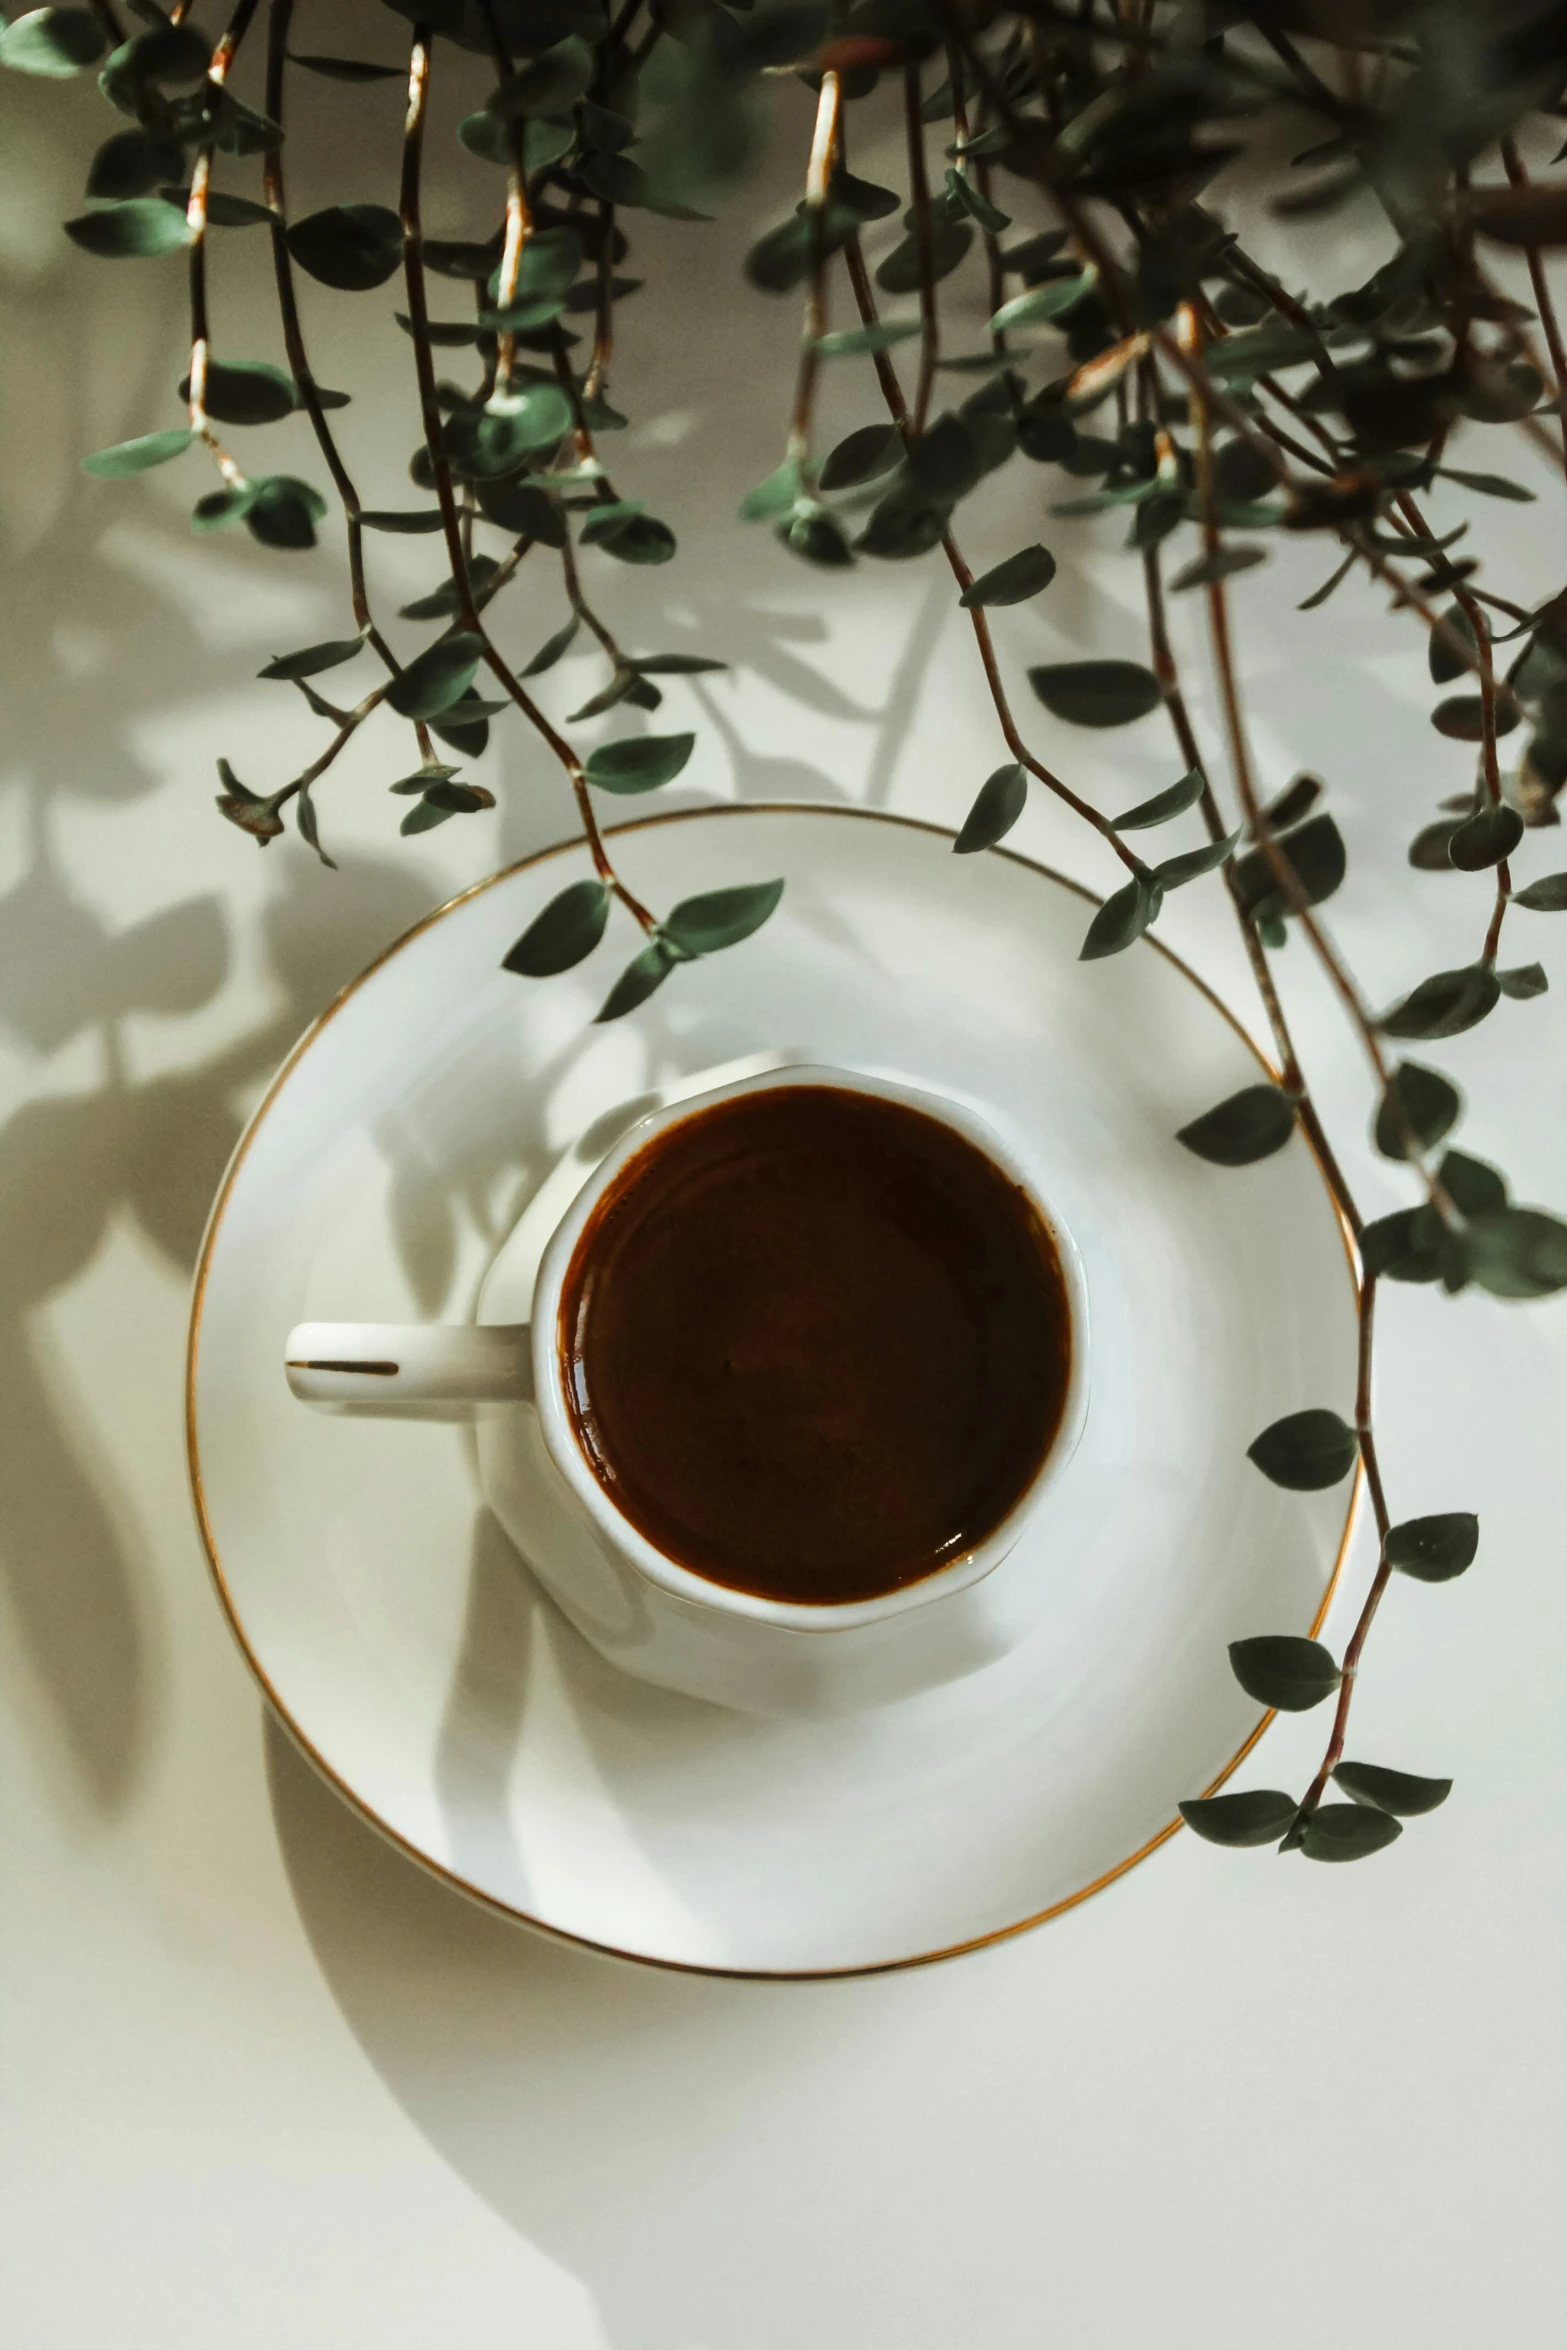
x=265, y=2081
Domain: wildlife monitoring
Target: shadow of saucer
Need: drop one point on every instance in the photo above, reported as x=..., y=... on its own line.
x=719, y=2163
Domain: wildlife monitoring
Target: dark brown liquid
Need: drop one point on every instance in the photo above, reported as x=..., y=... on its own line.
x=815, y=1344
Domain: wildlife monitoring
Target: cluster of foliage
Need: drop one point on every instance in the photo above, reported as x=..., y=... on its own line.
x=1136, y=354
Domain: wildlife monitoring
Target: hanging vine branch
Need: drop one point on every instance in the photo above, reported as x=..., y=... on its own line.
x=1137, y=363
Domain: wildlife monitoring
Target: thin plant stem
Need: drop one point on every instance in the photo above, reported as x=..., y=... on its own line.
x=897, y=408
x=222, y=58
x=919, y=197
x=468, y=611
x=1550, y=325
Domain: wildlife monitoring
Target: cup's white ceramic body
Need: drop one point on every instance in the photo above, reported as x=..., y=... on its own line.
x=639, y=1608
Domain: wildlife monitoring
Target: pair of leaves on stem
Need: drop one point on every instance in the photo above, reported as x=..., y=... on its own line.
x=1511, y=1251
x=277, y=509
x=572, y=924
x=1308, y=1451
x=441, y=796
x=1368, y=1823
x=1129, y=911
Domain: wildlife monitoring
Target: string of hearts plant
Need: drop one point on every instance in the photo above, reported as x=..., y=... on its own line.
x=1136, y=353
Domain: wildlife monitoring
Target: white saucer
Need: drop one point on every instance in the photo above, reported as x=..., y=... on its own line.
x=408, y=1649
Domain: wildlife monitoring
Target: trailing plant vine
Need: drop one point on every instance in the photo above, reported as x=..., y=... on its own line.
x=1059, y=152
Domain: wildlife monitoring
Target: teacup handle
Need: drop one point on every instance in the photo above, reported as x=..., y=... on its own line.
x=409, y=1369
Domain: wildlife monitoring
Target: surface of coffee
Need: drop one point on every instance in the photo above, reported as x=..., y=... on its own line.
x=816, y=1345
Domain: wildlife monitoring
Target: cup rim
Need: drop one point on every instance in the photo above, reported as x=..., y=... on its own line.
x=565, y=1450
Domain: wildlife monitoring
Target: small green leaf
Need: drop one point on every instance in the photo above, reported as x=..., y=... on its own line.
x=165, y=56
x=1401, y=1792
x=226, y=211
x=776, y=494
x=997, y=807
x=133, y=231
x=422, y=778
x=219, y=508
x=1208, y=570
x=496, y=439
x=348, y=69
x=1411, y=1245
x=1434, y=1549
x=1488, y=836
x=817, y=536
x=1294, y=802
x=1445, y=658
x=1347, y=1831
x=466, y=725
x=645, y=972
x=543, y=142
x=855, y=342
x=405, y=521
x=526, y=511
x=1305, y=1451
x=132, y=163
x=865, y=199
x=905, y=522
x=1022, y=575
x=720, y=917
x=313, y=659
x=437, y=677
x=865, y=454
x=549, y=82
x=1174, y=800
x=1314, y=853
x=1548, y=895
x=639, y=538
x=977, y=205
x=1096, y=693
x=53, y=43
x=1428, y=849
x=621, y=688
x=309, y=831
x=1429, y=1106
x=283, y=511
x=552, y=648
x=1282, y=1670
x=1251, y=1125
x=1042, y=304
x=1474, y=1188
x=1518, y=1252
x=1123, y=917
x=567, y=931
x=1446, y=1004
x=1193, y=863
x=1257, y=1815
x=901, y=270
x=639, y=763
x=446, y=601
x=425, y=817
x=1523, y=981
x=675, y=665
x=138, y=456
x=1489, y=485
x=616, y=179
x=247, y=391
x=351, y=246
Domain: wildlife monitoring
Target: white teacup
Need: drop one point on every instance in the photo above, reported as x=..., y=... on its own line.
x=640, y=1609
